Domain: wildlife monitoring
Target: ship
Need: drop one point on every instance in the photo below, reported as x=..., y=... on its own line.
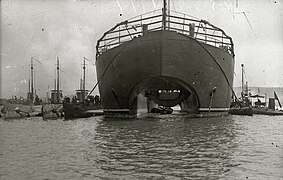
x=81, y=106
x=53, y=109
x=165, y=58
x=22, y=108
x=242, y=106
x=260, y=107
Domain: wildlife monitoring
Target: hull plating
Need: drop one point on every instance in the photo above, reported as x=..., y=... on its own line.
x=165, y=60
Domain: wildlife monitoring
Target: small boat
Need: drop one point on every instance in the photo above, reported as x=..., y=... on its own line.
x=266, y=111
x=260, y=107
x=248, y=111
x=162, y=110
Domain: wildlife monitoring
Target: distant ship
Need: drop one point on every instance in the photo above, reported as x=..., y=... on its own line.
x=165, y=58
x=243, y=105
x=22, y=108
x=82, y=105
x=53, y=109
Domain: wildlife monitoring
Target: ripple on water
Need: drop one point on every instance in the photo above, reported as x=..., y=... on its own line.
x=161, y=147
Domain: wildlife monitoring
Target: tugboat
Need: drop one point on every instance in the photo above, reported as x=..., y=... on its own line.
x=171, y=59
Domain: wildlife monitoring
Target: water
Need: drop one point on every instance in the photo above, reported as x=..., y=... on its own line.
x=153, y=147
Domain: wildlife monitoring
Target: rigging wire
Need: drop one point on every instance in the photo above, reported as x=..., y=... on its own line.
x=133, y=6
x=230, y=86
x=246, y=17
x=112, y=60
x=173, y=5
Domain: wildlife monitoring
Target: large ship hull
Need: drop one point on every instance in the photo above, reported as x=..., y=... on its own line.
x=168, y=68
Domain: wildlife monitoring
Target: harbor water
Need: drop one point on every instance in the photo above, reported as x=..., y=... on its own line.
x=150, y=147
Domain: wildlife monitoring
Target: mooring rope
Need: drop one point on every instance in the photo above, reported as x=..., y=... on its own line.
x=211, y=99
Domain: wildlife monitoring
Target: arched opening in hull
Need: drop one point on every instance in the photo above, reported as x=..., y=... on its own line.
x=163, y=91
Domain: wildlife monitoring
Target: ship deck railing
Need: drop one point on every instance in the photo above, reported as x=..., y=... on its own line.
x=200, y=30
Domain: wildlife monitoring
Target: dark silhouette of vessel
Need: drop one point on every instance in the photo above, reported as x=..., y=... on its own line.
x=167, y=58
x=242, y=106
x=54, y=108
x=83, y=105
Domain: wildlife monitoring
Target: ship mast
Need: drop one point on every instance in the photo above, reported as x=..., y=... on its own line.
x=84, y=75
x=168, y=13
x=164, y=14
x=242, y=80
x=31, y=71
x=56, y=94
x=58, y=80
x=29, y=85
x=55, y=82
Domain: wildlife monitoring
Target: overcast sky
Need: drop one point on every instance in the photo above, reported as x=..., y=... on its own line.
x=69, y=29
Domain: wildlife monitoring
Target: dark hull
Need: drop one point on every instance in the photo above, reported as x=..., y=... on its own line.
x=246, y=111
x=267, y=112
x=165, y=60
x=74, y=111
x=52, y=111
x=9, y=111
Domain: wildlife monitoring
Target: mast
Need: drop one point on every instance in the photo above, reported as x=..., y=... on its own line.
x=164, y=14
x=31, y=71
x=29, y=85
x=58, y=80
x=47, y=93
x=84, y=75
x=55, y=84
x=168, y=13
x=242, y=80
x=247, y=90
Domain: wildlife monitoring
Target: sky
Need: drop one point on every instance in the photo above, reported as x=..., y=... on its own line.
x=69, y=29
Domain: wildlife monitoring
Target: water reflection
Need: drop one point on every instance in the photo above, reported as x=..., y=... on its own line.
x=151, y=147
x=165, y=146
